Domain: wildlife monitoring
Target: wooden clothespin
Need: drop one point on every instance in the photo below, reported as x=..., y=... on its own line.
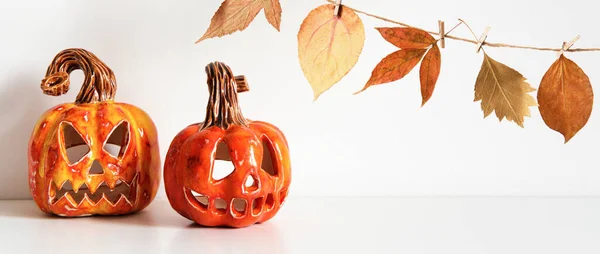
x=566, y=46
x=442, y=33
x=338, y=5
x=482, y=38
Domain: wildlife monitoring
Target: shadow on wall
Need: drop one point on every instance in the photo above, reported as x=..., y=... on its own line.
x=20, y=108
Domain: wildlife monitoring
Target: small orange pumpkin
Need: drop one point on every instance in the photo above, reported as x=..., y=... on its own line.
x=256, y=188
x=98, y=182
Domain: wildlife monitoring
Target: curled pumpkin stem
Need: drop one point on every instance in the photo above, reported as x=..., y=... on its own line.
x=241, y=84
x=223, y=109
x=99, y=84
x=56, y=84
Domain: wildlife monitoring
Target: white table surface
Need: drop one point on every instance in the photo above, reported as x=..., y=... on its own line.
x=438, y=225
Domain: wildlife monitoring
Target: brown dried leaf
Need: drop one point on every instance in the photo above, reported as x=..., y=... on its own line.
x=429, y=72
x=565, y=96
x=394, y=67
x=273, y=12
x=504, y=90
x=329, y=46
x=406, y=37
x=236, y=15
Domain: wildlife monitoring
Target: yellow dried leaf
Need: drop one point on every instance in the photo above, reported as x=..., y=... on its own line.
x=236, y=15
x=503, y=90
x=329, y=46
x=565, y=97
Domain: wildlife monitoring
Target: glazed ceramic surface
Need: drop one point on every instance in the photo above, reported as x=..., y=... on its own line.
x=258, y=151
x=126, y=181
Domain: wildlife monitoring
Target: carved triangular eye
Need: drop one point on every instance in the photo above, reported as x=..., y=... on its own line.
x=117, y=141
x=267, y=162
x=75, y=146
x=222, y=166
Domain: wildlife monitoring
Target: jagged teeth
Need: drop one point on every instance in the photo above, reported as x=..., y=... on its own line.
x=82, y=186
x=94, y=189
x=121, y=190
x=201, y=198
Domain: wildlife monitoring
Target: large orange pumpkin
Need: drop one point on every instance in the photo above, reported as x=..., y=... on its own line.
x=258, y=151
x=97, y=182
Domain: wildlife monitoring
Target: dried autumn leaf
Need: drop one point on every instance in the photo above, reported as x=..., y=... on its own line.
x=429, y=72
x=565, y=96
x=329, y=46
x=394, y=67
x=236, y=15
x=504, y=90
x=273, y=13
x=414, y=43
x=406, y=37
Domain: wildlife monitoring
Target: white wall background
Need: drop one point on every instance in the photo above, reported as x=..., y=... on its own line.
x=380, y=142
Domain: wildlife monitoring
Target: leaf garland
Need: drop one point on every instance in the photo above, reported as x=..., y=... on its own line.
x=329, y=46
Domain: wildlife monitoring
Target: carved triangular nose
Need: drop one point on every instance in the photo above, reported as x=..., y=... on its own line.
x=96, y=168
x=251, y=183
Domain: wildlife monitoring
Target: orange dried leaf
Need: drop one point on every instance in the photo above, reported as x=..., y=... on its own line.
x=236, y=15
x=504, y=90
x=329, y=46
x=565, y=96
x=406, y=37
x=394, y=67
x=429, y=72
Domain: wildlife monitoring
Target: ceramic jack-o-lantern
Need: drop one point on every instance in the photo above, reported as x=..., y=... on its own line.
x=94, y=156
x=257, y=151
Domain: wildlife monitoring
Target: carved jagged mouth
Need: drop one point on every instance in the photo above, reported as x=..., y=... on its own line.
x=122, y=190
x=237, y=207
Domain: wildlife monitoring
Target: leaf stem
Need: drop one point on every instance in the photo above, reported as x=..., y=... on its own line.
x=469, y=27
x=488, y=44
x=459, y=23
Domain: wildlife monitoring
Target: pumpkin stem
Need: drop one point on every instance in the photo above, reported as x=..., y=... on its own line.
x=223, y=109
x=99, y=83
